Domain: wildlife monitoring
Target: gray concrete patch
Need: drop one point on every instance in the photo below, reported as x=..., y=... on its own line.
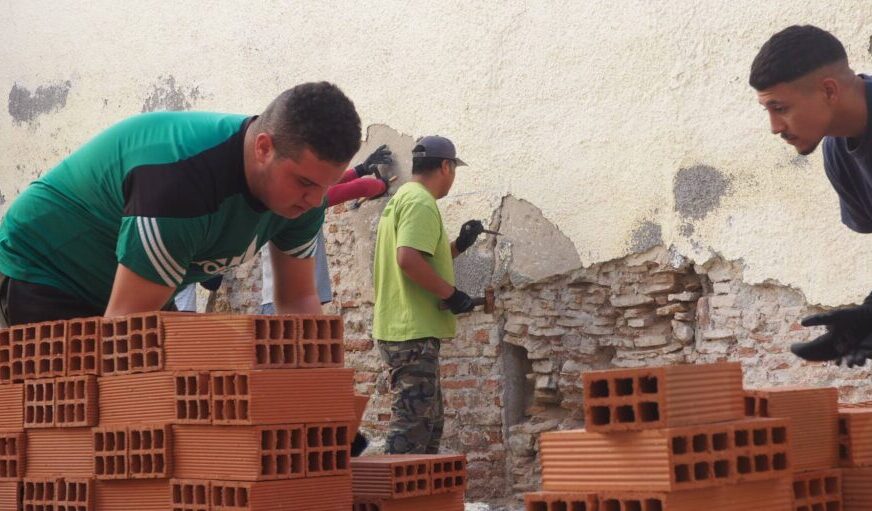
x=25, y=106
x=698, y=190
x=647, y=235
x=473, y=270
x=165, y=95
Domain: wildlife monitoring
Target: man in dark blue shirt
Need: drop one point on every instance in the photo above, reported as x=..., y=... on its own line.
x=804, y=82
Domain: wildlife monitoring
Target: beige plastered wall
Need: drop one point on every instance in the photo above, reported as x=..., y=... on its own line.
x=629, y=124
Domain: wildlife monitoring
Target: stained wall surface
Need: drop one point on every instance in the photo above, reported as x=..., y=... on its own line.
x=629, y=124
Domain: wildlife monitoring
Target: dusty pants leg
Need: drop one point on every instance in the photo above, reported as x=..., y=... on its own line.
x=439, y=417
x=415, y=411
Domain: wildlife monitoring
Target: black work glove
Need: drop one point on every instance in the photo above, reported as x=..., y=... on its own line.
x=469, y=232
x=848, y=338
x=459, y=302
x=381, y=156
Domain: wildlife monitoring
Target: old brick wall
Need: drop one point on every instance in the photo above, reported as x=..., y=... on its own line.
x=510, y=376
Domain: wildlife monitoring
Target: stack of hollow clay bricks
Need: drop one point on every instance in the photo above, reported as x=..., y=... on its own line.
x=181, y=412
x=689, y=437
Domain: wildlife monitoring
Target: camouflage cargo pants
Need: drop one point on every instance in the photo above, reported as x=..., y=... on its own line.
x=416, y=410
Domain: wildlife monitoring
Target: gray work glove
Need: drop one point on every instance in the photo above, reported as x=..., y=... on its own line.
x=381, y=156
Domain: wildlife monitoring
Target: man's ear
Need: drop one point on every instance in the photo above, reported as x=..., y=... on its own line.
x=263, y=147
x=831, y=89
x=445, y=168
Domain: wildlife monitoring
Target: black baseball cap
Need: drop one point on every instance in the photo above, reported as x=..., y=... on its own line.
x=435, y=146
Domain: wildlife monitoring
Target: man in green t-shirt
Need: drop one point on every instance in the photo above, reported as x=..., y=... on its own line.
x=414, y=277
x=162, y=200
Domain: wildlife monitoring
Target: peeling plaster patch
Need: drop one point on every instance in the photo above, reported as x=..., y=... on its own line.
x=166, y=96
x=536, y=247
x=686, y=229
x=698, y=190
x=26, y=106
x=647, y=235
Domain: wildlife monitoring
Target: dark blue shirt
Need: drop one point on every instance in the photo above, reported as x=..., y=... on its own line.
x=848, y=163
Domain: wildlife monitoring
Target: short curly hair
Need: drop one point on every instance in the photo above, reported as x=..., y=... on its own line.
x=317, y=115
x=793, y=53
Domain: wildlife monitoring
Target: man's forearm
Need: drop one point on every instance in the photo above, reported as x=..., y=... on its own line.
x=420, y=272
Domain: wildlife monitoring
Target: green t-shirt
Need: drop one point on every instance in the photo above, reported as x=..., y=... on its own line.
x=404, y=310
x=162, y=193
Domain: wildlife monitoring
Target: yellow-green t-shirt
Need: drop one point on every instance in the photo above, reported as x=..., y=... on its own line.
x=403, y=309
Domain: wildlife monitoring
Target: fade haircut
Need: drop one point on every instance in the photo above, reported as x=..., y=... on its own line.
x=425, y=164
x=316, y=115
x=793, y=53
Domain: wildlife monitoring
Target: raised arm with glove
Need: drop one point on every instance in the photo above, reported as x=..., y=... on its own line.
x=848, y=338
x=381, y=156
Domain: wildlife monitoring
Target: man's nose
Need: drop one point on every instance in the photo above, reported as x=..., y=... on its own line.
x=314, y=198
x=776, y=125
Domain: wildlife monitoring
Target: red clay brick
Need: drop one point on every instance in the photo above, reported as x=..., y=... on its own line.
x=13, y=447
x=448, y=473
x=390, y=477
x=12, y=404
x=771, y=495
x=282, y=397
x=855, y=437
x=190, y=495
x=560, y=501
x=675, y=458
x=656, y=397
x=51, y=344
x=76, y=401
x=137, y=398
x=40, y=494
x=857, y=489
x=24, y=342
x=148, y=494
x=321, y=341
x=193, y=398
x=111, y=452
x=818, y=489
x=11, y=493
x=440, y=502
x=83, y=346
x=230, y=341
x=328, y=449
x=149, y=451
x=321, y=493
x=39, y=403
x=400, y=476
x=243, y=453
x=6, y=357
x=813, y=413
x=131, y=344
x=75, y=495
x=52, y=452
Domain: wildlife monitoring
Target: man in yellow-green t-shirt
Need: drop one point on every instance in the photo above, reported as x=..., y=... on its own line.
x=414, y=275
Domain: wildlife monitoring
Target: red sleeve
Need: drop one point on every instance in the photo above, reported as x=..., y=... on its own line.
x=347, y=176
x=356, y=189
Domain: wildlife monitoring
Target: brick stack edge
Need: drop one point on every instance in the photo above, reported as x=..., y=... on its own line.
x=689, y=437
x=185, y=412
